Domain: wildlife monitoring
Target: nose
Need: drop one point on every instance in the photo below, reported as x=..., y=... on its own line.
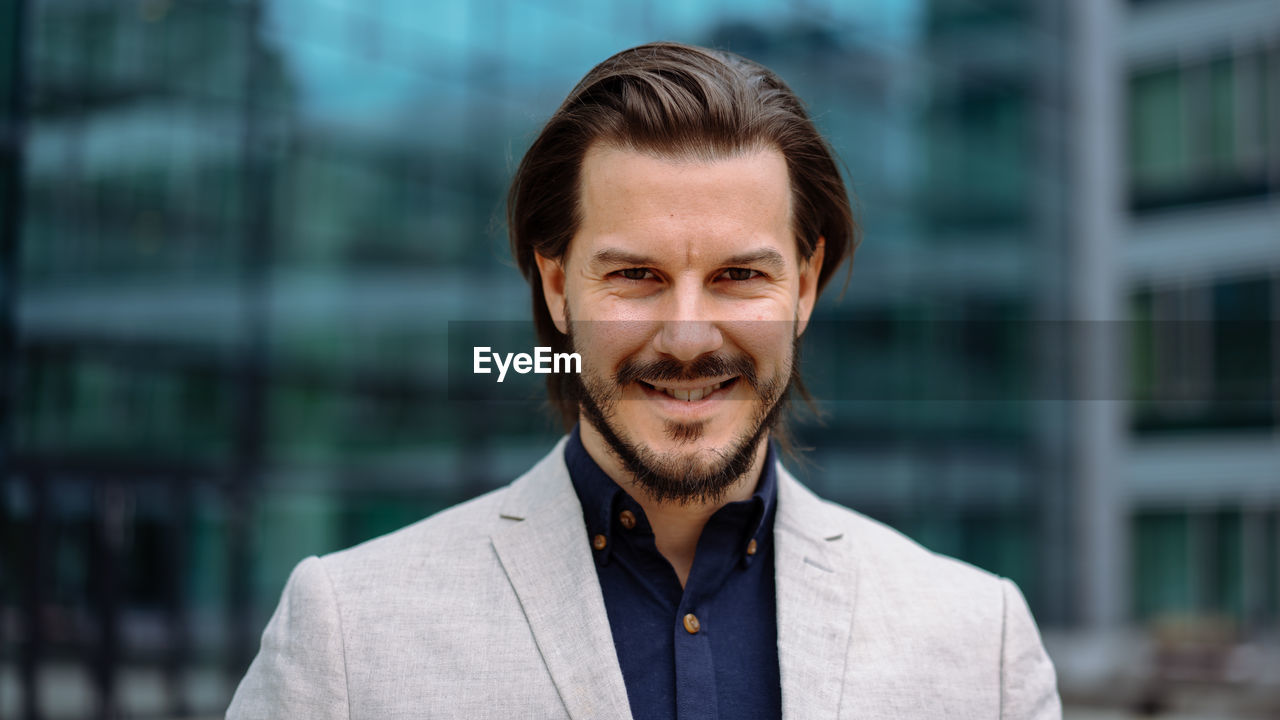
x=687, y=331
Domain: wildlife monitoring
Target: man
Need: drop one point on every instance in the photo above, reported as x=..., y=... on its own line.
x=677, y=218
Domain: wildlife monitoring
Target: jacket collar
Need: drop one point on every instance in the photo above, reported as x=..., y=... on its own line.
x=545, y=551
x=817, y=584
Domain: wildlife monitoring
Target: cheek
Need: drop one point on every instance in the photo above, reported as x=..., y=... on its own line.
x=604, y=344
x=768, y=342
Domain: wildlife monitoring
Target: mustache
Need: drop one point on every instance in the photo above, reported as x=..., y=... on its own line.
x=706, y=366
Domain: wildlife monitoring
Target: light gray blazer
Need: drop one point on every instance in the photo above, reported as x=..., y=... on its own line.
x=492, y=609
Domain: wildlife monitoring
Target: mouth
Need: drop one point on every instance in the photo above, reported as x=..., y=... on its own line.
x=690, y=394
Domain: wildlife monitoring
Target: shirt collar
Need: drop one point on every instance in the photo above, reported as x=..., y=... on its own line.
x=603, y=499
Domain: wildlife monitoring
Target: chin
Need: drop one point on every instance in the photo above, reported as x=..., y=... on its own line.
x=704, y=443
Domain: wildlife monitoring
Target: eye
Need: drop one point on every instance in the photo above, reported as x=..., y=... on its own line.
x=635, y=273
x=741, y=274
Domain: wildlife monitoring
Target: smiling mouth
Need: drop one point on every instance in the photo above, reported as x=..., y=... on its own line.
x=690, y=394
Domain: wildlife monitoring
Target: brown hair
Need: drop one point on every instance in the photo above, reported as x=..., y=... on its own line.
x=675, y=101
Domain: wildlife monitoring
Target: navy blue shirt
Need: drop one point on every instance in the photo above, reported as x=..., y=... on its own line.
x=709, y=649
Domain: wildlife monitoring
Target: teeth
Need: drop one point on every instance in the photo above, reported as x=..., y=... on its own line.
x=692, y=395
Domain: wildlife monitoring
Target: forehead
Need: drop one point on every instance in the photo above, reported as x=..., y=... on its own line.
x=684, y=205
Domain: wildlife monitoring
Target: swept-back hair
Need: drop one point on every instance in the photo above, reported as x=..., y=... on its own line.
x=676, y=101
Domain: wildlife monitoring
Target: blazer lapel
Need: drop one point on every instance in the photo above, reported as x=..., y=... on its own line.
x=816, y=587
x=544, y=551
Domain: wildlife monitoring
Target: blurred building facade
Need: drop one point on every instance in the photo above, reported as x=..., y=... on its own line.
x=235, y=235
x=1199, y=259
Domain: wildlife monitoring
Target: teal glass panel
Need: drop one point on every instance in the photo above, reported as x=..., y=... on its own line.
x=1162, y=565
x=1222, y=117
x=1158, y=139
x=1227, y=578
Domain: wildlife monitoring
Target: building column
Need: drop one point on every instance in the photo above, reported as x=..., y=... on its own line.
x=1096, y=172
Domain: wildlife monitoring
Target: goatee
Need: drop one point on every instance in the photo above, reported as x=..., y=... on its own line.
x=676, y=477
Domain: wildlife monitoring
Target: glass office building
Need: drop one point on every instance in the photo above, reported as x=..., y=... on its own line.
x=235, y=235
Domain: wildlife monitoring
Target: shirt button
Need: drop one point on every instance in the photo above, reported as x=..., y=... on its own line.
x=751, y=547
x=628, y=519
x=598, y=542
x=691, y=624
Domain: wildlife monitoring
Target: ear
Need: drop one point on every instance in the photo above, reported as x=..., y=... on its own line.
x=552, y=273
x=809, y=273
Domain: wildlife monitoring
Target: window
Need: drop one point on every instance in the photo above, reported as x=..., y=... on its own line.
x=1162, y=565
x=1199, y=132
x=1201, y=356
x=1191, y=563
x=1158, y=154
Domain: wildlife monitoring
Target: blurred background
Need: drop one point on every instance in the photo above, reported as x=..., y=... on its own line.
x=233, y=236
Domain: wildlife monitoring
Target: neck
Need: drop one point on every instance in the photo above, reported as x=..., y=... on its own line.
x=676, y=526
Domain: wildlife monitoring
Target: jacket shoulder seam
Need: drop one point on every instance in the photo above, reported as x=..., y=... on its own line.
x=342, y=634
x=1004, y=638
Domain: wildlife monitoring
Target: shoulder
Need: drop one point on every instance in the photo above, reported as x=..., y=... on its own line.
x=455, y=541
x=894, y=572
x=889, y=553
x=927, y=620
x=459, y=534
x=875, y=545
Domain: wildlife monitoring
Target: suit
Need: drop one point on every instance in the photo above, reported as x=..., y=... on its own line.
x=492, y=609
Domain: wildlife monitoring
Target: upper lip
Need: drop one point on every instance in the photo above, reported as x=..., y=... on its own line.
x=665, y=385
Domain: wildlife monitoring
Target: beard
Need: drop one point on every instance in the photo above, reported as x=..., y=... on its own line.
x=677, y=477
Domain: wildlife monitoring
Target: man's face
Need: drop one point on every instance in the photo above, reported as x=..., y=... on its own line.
x=684, y=292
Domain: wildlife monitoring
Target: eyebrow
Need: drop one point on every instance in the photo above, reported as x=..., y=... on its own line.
x=615, y=257
x=764, y=257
